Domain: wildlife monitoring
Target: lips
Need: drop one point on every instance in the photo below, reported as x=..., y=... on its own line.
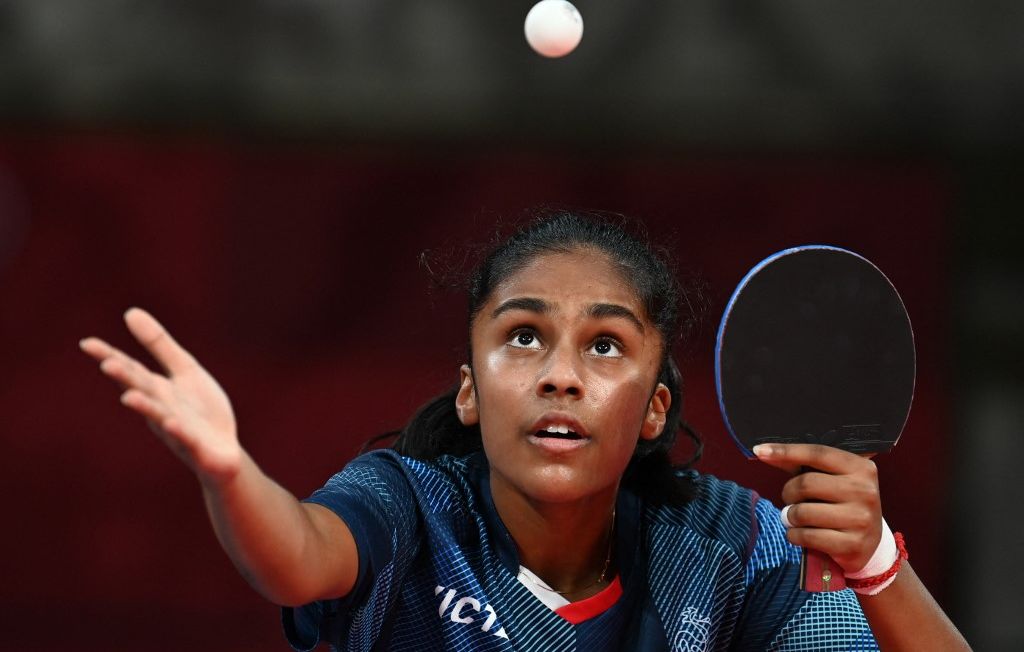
x=558, y=432
x=558, y=426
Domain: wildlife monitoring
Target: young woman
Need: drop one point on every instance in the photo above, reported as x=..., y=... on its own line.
x=534, y=506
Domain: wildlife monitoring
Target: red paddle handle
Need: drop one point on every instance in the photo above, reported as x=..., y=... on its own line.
x=819, y=574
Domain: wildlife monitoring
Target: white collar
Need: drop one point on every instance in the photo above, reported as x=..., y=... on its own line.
x=539, y=588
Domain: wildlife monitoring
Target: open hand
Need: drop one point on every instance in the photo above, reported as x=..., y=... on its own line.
x=836, y=506
x=186, y=408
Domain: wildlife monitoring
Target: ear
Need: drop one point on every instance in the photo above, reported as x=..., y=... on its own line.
x=657, y=410
x=465, y=400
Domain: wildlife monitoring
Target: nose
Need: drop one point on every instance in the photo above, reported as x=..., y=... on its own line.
x=560, y=376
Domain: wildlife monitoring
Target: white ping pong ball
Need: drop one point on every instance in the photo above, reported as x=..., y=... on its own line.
x=554, y=28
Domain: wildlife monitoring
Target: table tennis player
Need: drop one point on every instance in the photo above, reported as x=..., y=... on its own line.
x=534, y=505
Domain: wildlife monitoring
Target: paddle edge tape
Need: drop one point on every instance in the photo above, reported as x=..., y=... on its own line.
x=719, y=337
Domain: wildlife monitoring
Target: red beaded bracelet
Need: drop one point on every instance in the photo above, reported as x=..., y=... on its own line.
x=869, y=582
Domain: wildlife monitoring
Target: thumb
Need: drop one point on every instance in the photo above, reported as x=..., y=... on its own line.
x=774, y=456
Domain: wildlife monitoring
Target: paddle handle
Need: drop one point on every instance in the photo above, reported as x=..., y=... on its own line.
x=819, y=574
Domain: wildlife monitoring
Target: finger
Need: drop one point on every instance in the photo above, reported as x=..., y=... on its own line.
x=145, y=405
x=814, y=486
x=100, y=350
x=148, y=331
x=793, y=457
x=834, y=543
x=779, y=463
x=129, y=373
x=161, y=422
x=845, y=517
x=845, y=548
x=96, y=348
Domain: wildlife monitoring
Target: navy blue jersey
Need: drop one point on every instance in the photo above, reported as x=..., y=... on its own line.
x=437, y=571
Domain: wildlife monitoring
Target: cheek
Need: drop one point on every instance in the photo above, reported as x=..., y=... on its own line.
x=623, y=393
x=502, y=374
x=500, y=386
x=625, y=406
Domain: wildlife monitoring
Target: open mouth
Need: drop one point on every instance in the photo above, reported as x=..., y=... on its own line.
x=558, y=432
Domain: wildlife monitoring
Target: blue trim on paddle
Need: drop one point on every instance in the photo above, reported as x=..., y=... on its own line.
x=728, y=310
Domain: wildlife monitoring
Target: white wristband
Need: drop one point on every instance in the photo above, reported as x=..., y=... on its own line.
x=882, y=560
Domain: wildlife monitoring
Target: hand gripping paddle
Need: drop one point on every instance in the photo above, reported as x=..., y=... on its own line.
x=815, y=346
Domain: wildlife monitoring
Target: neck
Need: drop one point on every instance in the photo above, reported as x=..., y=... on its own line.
x=565, y=544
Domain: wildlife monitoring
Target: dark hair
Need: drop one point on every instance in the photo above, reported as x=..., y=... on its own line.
x=435, y=429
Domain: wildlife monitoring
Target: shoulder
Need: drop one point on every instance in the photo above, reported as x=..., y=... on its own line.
x=721, y=511
x=440, y=485
x=726, y=515
x=718, y=506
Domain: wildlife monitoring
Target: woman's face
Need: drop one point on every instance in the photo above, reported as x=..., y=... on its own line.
x=564, y=344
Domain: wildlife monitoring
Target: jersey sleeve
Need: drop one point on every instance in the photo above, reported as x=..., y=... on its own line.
x=777, y=615
x=372, y=495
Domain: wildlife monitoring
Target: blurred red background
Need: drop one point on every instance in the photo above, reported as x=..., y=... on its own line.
x=291, y=271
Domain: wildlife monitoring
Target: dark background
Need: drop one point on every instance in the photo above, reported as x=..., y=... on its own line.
x=264, y=176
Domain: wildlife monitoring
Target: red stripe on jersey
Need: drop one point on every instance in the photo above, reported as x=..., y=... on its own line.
x=595, y=605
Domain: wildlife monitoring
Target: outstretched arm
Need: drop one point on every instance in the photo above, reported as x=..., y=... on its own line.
x=291, y=552
x=836, y=508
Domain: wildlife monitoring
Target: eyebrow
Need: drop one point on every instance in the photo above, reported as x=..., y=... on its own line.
x=603, y=310
x=594, y=310
x=529, y=304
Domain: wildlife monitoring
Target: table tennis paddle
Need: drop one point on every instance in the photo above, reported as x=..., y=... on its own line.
x=815, y=346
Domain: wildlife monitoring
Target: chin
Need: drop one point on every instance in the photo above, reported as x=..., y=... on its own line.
x=559, y=485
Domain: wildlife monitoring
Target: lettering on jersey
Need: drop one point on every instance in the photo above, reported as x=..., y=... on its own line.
x=463, y=610
x=693, y=637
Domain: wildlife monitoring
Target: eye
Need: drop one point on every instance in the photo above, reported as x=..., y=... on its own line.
x=607, y=348
x=524, y=338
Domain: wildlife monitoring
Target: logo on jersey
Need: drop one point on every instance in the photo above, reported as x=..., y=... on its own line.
x=693, y=635
x=467, y=610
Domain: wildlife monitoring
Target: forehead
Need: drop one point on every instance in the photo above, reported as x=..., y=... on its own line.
x=583, y=276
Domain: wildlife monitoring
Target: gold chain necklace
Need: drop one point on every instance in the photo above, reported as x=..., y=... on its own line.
x=600, y=578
